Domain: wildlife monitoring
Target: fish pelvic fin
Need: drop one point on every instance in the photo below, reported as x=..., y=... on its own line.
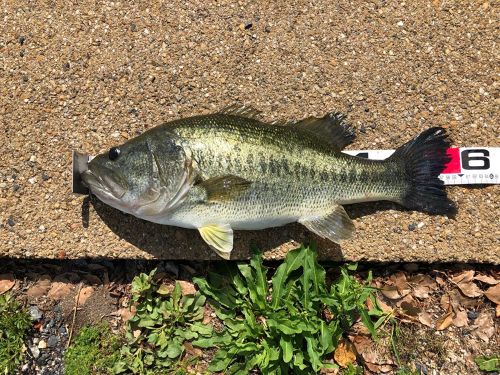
x=219, y=238
x=336, y=226
x=224, y=188
x=331, y=128
x=423, y=159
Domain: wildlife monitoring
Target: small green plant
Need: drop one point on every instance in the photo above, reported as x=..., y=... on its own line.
x=290, y=325
x=164, y=320
x=14, y=324
x=404, y=370
x=94, y=351
x=352, y=370
x=489, y=364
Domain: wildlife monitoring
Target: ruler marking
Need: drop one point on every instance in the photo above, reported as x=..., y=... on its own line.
x=468, y=165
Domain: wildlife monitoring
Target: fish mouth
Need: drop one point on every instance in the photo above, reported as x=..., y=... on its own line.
x=103, y=184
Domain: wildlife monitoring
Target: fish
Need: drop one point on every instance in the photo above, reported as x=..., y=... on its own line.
x=231, y=171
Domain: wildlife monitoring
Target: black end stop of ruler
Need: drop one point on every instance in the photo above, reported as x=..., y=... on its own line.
x=80, y=162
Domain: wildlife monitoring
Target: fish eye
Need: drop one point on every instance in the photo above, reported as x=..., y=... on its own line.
x=114, y=152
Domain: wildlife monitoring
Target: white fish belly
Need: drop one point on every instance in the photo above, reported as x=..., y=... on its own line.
x=193, y=221
x=252, y=211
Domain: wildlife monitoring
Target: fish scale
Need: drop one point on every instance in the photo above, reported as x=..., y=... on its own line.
x=253, y=150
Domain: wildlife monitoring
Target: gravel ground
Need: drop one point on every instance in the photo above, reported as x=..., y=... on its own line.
x=46, y=347
x=89, y=75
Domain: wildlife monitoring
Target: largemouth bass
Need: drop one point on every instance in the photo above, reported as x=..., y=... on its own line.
x=229, y=170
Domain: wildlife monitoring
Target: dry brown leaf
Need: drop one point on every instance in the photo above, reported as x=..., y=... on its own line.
x=408, y=299
x=191, y=350
x=370, y=351
x=7, y=282
x=361, y=342
x=470, y=289
x=440, y=281
x=401, y=283
x=40, y=288
x=459, y=300
x=422, y=285
x=126, y=313
x=85, y=293
x=493, y=294
x=358, y=329
x=396, y=286
x=445, y=302
x=487, y=279
x=460, y=319
x=329, y=371
x=378, y=369
x=187, y=287
x=391, y=292
x=384, y=306
x=410, y=308
x=421, y=291
x=483, y=325
x=463, y=277
x=345, y=353
x=59, y=290
x=426, y=319
x=445, y=321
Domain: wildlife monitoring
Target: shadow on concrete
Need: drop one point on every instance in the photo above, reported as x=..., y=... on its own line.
x=167, y=242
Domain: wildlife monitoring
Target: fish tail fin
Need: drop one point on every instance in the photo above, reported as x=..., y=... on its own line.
x=423, y=159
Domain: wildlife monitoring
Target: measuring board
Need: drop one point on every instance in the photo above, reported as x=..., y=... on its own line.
x=468, y=166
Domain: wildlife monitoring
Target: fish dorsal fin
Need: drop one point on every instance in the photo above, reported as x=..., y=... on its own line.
x=336, y=226
x=241, y=110
x=224, y=188
x=331, y=128
x=219, y=237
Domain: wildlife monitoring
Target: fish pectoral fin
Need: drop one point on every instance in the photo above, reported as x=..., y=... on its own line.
x=219, y=238
x=223, y=188
x=335, y=226
x=331, y=128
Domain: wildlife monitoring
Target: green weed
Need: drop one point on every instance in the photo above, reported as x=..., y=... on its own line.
x=94, y=351
x=488, y=364
x=163, y=322
x=352, y=370
x=281, y=326
x=406, y=371
x=14, y=324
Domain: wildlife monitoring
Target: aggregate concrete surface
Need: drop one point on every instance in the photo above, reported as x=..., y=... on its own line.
x=89, y=75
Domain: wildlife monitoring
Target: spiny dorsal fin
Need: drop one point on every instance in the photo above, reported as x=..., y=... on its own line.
x=219, y=237
x=223, y=188
x=331, y=128
x=241, y=110
x=335, y=226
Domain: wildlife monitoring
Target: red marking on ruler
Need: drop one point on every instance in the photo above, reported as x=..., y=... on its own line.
x=454, y=166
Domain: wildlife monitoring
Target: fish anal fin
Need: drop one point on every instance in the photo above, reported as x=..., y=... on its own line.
x=241, y=110
x=223, y=188
x=336, y=226
x=331, y=128
x=219, y=238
